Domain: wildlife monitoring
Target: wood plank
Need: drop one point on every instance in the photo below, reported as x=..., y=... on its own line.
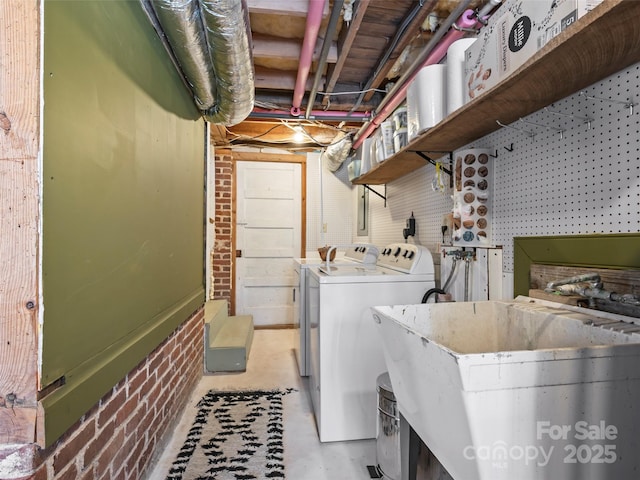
x=603, y=42
x=386, y=171
x=405, y=39
x=19, y=214
x=278, y=79
x=345, y=41
x=298, y=8
x=268, y=46
x=563, y=299
x=218, y=134
x=619, y=281
x=266, y=131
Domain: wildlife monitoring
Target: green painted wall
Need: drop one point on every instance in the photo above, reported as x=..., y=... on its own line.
x=123, y=201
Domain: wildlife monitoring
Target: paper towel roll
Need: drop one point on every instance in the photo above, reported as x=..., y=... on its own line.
x=455, y=74
x=364, y=153
x=426, y=99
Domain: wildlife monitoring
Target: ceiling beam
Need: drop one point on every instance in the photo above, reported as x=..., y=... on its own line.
x=266, y=78
x=218, y=134
x=298, y=8
x=406, y=38
x=267, y=46
x=345, y=40
x=266, y=132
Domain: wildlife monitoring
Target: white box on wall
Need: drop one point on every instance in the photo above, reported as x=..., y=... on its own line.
x=517, y=30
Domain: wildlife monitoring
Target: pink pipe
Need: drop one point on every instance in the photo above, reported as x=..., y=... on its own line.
x=314, y=19
x=466, y=20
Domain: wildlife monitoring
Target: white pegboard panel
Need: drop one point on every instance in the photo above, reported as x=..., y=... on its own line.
x=587, y=181
x=411, y=193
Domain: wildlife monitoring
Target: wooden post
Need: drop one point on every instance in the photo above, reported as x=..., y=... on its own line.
x=19, y=231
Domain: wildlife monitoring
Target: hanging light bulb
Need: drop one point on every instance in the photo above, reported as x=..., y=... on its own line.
x=299, y=136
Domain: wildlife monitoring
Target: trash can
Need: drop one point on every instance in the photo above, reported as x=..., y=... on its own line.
x=388, y=430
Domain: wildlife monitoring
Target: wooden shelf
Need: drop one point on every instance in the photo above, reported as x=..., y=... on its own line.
x=603, y=42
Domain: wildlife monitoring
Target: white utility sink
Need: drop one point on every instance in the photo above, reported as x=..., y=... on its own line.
x=518, y=390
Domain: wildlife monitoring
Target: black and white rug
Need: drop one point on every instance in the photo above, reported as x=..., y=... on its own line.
x=235, y=436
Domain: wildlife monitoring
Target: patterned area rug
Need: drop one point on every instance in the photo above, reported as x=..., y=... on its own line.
x=235, y=436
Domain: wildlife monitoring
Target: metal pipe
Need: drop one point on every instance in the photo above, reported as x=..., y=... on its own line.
x=314, y=19
x=445, y=287
x=324, y=118
x=211, y=42
x=484, y=11
x=587, y=277
x=183, y=28
x=324, y=53
x=153, y=18
x=467, y=265
x=435, y=50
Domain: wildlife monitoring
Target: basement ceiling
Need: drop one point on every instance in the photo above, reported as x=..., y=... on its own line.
x=361, y=49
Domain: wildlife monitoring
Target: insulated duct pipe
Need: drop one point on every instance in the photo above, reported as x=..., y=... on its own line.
x=435, y=51
x=211, y=43
x=314, y=19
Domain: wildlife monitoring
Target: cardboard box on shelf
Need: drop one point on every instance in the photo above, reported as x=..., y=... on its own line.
x=515, y=32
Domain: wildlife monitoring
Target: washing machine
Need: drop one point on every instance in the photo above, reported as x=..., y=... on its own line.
x=361, y=254
x=346, y=352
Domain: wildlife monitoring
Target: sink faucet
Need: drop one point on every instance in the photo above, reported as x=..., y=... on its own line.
x=589, y=285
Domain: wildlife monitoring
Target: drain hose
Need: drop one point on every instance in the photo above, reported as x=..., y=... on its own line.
x=430, y=292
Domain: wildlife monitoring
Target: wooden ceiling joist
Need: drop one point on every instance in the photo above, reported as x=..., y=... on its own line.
x=267, y=46
x=279, y=7
x=404, y=40
x=345, y=40
x=266, y=78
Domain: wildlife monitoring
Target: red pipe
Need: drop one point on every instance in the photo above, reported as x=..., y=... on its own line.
x=466, y=20
x=314, y=19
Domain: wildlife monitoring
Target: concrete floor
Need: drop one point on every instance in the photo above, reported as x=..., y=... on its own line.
x=272, y=364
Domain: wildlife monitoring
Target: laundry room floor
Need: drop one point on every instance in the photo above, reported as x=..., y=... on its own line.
x=271, y=365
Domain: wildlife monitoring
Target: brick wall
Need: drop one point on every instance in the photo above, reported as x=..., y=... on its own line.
x=223, y=246
x=119, y=436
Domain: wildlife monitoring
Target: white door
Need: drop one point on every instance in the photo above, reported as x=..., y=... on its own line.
x=268, y=226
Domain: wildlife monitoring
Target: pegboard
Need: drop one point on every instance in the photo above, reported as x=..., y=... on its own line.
x=411, y=193
x=588, y=181
x=585, y=180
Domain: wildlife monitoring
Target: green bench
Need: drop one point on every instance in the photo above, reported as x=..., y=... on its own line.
x=227, y=338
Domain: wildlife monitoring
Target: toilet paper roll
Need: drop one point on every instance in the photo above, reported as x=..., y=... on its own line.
x=426, y=99
x=455, y=74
